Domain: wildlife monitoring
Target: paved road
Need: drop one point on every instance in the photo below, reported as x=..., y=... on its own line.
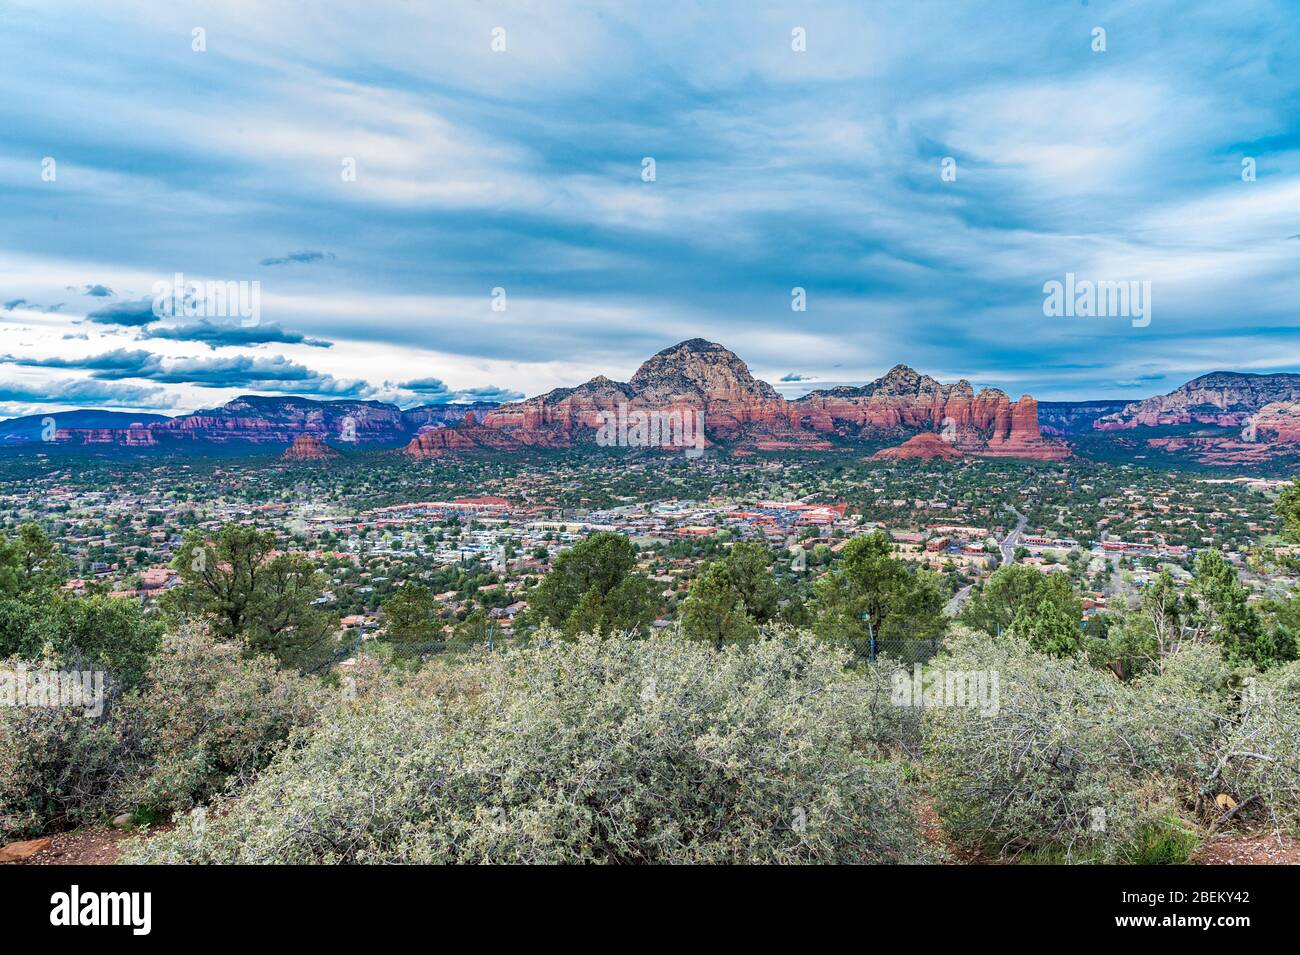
x=954, y=605
x=1009, y=544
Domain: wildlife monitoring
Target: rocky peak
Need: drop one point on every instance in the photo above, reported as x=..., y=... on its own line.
x=699, y=370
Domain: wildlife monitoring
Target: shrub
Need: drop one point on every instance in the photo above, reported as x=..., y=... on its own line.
x=209, y=716
x=59, y=765
x=1072, y=762
x=1259, y=761
x=612, y=751
x=204, y=718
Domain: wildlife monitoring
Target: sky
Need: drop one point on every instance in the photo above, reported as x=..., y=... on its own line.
x=442, y=202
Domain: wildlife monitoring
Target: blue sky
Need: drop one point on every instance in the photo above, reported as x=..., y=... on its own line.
x=522, y=170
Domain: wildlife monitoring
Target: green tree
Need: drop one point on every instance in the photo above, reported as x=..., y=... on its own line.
x=103, y=632
x=246, y=592
x=30, y=562
x=596, y=575
x=411, y=615
x=284, y=622
x=747, y=570
x=714, y=609
x=1224, y=614
x=874, y=593
x=1040, y=608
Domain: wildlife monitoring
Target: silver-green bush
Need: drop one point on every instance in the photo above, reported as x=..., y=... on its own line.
x=1072, y=763
x=207, y=717
x=613, y=751
x=204, y=718
x=1259, y=761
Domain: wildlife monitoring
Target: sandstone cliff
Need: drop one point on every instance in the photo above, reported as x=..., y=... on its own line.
x=1221, y=398
x=307, y=447
x=747, y=414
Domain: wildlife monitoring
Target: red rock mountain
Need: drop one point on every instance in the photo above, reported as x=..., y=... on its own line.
x=703, y=378
x=307, y=447
x=258, y=419
x=987, y=424
x=1261, y=411
x=1222, y=398
x=469, y=435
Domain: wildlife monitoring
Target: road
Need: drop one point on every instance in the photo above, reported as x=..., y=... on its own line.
x=954, y=605
x=1009, y=544
x=1008, y=548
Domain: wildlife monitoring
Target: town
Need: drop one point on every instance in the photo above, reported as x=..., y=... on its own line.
x=488, y=530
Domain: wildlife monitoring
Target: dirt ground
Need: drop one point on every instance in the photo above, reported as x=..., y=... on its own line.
x=1236, y=847
x=1248, y=849
x=97, y=846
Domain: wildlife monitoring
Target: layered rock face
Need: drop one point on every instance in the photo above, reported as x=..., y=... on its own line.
x=695, y=378
x=307, y=447
x=1276, y=423
x=136, y=436
x=279, y=420
x=1221, y=398
x=986, y=424
x=255, y=419
x=747, y=414
x=469, y=435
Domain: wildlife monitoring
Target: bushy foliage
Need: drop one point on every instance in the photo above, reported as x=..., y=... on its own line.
x=1040, y=608
x=1260, y=758
x=612, y=751
x=1072, y=760
x=204, y=717
x=239, y=587
x=874, y=593
x=59, y=766
x=593, y=586
x=209, y=716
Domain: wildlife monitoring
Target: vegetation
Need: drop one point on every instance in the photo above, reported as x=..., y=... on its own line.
x=697, y=700
x=656, y=751
x=592, y=588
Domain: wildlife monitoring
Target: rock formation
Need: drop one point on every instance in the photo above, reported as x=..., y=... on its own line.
x=469, y=435
x=1222, y=398
x=307, y=447
x=689, y=397
x=926, y=446
x=986, y=424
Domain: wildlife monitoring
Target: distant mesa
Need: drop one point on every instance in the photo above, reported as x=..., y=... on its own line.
x=923, y=447
x=695, y=382
x=1224, y=418
x=1222, y=398
x=307, y=447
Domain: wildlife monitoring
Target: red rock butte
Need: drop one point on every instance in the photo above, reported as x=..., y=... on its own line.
x=746, y=414
x=308, y=447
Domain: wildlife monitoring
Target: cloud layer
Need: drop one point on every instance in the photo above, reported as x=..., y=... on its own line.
x=383, y=175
